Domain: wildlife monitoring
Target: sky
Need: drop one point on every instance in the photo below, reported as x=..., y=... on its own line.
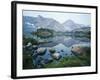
x=80, y=18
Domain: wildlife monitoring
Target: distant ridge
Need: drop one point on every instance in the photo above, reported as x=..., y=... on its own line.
x=31, y=24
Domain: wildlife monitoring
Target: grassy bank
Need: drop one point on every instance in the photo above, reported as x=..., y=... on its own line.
x=73, y=61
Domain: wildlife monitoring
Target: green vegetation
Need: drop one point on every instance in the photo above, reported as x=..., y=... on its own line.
x=27, y=54
x=26, y=40
x=82, y=34
x=73, y=61
x=86, y=57
x=27, y=60
x=83, y=59
x=68, y=62
x=44, y=33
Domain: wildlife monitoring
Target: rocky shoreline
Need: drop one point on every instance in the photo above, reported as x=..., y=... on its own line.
x=55, y=53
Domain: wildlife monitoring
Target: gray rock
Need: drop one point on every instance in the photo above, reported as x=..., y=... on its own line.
x=29, y=44
x=52, y=50
x=80, y=48
x=41, y=51
x=56, y=56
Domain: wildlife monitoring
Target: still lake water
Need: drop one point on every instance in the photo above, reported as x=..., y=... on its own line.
x=66, y=40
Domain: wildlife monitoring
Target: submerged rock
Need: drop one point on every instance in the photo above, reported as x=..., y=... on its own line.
x=60, y=46
x=48, y=60
x=37, y=61
x=62, y=50
x=35, y=47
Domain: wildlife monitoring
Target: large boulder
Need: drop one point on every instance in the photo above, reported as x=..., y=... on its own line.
x=56, y=56
x=52, y=50
x=77, y=49
x=41, y=51
x=80, y=49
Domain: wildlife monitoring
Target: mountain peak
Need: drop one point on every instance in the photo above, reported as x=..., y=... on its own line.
x=69, y=21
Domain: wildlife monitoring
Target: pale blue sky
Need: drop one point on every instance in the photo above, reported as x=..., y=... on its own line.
x=80, y=18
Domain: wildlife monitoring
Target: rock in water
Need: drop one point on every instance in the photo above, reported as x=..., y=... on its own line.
x=79, y=49
x=28, y=44
x=41, y=51
x=52, y=50
x=35, y=47
x=56, y=56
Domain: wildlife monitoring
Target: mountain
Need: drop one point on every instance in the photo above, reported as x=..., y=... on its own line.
x=70, y=25
x=35, y=23
x=32, y=24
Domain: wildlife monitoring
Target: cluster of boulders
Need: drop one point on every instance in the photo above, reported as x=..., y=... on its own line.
x=78, y=49
x=30, y=47
x=41, y=51
x=38, y=52
x=54, y=54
